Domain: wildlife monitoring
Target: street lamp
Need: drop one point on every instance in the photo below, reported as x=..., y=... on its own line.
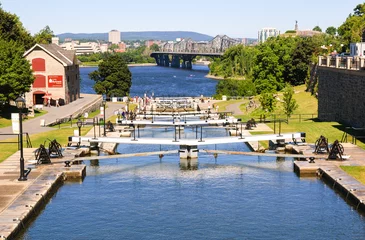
x=20, y=104
x=79, y=125
x=104, y=104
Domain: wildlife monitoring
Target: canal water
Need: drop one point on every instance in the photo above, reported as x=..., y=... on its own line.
x=228, y=197
x=162, y=81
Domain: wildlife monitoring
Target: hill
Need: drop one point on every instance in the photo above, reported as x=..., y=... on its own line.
x=130, y=36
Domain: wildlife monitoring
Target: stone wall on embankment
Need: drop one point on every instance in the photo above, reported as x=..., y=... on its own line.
x=341, y=96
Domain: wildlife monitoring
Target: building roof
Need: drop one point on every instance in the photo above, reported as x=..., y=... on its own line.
x=66, y=57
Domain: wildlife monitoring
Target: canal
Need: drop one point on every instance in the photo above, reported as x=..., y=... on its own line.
x=228, y=197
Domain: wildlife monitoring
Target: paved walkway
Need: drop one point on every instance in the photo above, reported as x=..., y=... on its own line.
x=235, y=108
x=33, y=125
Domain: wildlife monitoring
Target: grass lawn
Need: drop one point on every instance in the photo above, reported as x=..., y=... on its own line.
x=306, y=122
x=8, y=149
x=358, y=172
x=5, y=117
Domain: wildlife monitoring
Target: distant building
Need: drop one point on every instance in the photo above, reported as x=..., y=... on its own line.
x=266, y=33
x=121, y=48
x=300, y=33
x=104, y=47
x=56, y=40
x=56, y=73
x=82, y=48
x=114, y=36
x=149, y=43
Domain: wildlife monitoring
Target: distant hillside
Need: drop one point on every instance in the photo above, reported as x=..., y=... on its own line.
x=129, y=36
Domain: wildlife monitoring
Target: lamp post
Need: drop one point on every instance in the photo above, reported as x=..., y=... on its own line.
x=79, y=125
x=104, y=104
x=20, y=103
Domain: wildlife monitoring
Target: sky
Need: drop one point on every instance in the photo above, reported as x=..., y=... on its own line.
x=235, y=18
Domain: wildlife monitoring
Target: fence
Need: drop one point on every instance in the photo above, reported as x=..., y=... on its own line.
x=27, y=139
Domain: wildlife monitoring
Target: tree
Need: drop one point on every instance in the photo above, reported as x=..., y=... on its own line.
x=267, y=101
x=154, y=47
x=317, y=28
x=113, y=77
x=289, y=103
x=16, y=75
x=331, y=31
x=113, y=47
x=11, y=29
x=44, y=36
x=352, y=29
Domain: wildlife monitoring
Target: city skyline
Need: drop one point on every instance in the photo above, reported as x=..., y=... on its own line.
x=237, y=19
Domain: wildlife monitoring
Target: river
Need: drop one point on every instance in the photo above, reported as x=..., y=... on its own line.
x=162, y=81
x=228, y=197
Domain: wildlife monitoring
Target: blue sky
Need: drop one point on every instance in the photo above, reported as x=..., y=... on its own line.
x=236, y=18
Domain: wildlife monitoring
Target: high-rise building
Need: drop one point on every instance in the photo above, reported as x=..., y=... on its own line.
x=114, y=36
x=265, y=33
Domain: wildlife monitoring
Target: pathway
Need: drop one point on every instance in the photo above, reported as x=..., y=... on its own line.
x=32, y=126
x=235, y=108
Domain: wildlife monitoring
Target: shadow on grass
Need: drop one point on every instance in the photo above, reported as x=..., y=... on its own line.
x=350, y=133
x=6, y=111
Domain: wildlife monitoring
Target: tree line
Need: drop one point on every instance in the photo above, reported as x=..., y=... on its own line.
x=282, y=60
x=137, y=55
x=16, y=75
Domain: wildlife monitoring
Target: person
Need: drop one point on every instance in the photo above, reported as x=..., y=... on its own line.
x=49, y=102
x=57, y=103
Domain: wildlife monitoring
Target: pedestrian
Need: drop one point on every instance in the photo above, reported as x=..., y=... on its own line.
x=49, y=102
x=57, y=103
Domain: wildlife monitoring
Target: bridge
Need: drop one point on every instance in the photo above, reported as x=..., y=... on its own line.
x=181, y=54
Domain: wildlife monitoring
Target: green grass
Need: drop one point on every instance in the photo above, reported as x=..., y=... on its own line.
x=5, y=117
x=358, y=172
x=8, y=149
x=90, y=64
x=307, y=123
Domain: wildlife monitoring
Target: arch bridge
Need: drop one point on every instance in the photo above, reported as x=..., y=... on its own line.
x=181, y=54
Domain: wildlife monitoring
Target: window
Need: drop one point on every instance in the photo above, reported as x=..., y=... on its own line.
x=38, y=64
x=40, y=81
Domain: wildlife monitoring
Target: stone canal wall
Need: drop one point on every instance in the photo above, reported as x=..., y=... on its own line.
x=341, y=96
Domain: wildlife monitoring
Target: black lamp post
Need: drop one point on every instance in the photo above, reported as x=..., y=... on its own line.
x=79, y=125
x=104, y=104
x=20, y=103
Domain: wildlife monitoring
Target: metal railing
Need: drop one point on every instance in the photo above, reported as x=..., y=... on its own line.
x=27, y=139
x=350, y=63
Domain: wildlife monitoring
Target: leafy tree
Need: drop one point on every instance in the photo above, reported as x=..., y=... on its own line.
x=44, y=36
x=236, y=88
x=15, y=73
x=289, y=103
x=154, y=47
x=317, y=28
x=267, y=101
x=236, y=61
x=331, y=31
x=113, y=77
x=301, y=60
x=273, y=64
x=113, y=47
x=352, y=29
x=11, y=29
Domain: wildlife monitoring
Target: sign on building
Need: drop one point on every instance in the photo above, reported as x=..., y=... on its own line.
x=55, y=81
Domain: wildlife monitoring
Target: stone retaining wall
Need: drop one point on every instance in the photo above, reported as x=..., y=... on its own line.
x=341, y=96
